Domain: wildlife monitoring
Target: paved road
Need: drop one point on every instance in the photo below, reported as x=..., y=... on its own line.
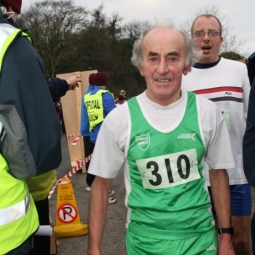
x=114, y=237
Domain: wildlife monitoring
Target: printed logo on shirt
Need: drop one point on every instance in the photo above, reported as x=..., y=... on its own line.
x=187, y=136
x=211, y=248
x=92, y=104
x=228, y=93
x=225, y=113
x=143, y=141
x=93, y=117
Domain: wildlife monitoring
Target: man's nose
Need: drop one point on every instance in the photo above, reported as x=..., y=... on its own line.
x=206, y=37
x=163, y=67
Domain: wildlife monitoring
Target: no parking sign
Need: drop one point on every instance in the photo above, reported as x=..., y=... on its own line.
x=68, y=221
x=67, y=213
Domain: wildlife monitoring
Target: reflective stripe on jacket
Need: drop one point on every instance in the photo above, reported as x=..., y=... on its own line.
x=7, y=35
x=14, y=212
x=18, y=215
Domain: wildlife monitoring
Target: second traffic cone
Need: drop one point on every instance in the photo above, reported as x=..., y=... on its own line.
x=68, y=221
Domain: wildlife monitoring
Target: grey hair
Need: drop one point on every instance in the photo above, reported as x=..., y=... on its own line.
x=137, y=57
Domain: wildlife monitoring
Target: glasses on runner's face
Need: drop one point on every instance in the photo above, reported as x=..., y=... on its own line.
x=201, y=33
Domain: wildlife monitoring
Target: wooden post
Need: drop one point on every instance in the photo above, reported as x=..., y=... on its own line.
x=71, y=106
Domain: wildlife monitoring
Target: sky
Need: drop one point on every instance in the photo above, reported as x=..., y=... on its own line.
x=238, y=14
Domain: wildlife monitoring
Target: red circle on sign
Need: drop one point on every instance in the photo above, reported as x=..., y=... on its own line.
x=67, y=213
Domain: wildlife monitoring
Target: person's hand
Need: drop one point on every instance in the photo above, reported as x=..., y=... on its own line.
x=226, y=247
x=73, y=82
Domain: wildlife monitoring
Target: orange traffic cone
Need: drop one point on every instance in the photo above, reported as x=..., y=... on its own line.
x=68, y=221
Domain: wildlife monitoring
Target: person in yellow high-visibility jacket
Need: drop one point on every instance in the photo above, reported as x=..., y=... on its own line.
x=98, y=103
x=24, y=134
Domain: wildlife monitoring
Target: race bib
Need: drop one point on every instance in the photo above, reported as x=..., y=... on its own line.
x=169, y=170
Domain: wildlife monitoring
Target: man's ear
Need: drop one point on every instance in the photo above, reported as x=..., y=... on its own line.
x=186, y=69
x=141, y=70
x=221, y=40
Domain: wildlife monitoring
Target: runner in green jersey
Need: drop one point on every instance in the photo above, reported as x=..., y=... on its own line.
x=168, y=165
x=163, y=137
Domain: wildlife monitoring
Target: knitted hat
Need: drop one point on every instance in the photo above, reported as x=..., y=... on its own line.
x=15, y=4
x=100, y=79
x=91, y=78
x=121, y=97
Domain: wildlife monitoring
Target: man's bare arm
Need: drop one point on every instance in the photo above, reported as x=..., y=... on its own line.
x=97, y=214
x=221, y=198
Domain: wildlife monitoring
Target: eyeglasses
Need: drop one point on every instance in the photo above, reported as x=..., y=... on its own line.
x=201, y=33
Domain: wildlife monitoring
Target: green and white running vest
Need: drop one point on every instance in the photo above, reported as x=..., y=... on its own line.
x=168, y=197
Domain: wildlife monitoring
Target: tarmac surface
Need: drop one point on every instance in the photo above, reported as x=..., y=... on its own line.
x=114, y=235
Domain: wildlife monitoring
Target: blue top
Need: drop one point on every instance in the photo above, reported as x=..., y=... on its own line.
x=108, y=104
x=57, y=87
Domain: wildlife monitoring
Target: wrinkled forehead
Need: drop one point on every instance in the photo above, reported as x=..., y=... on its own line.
x=163, y=40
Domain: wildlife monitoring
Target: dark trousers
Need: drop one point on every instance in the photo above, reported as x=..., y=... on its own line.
x=89, y=147
x=42, y=243
x=23, y=249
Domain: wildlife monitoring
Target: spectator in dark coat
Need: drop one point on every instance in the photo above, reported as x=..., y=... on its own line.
x=249, y=139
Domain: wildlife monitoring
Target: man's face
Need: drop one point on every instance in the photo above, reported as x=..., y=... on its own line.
x=164, y=55
x=209, y=45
